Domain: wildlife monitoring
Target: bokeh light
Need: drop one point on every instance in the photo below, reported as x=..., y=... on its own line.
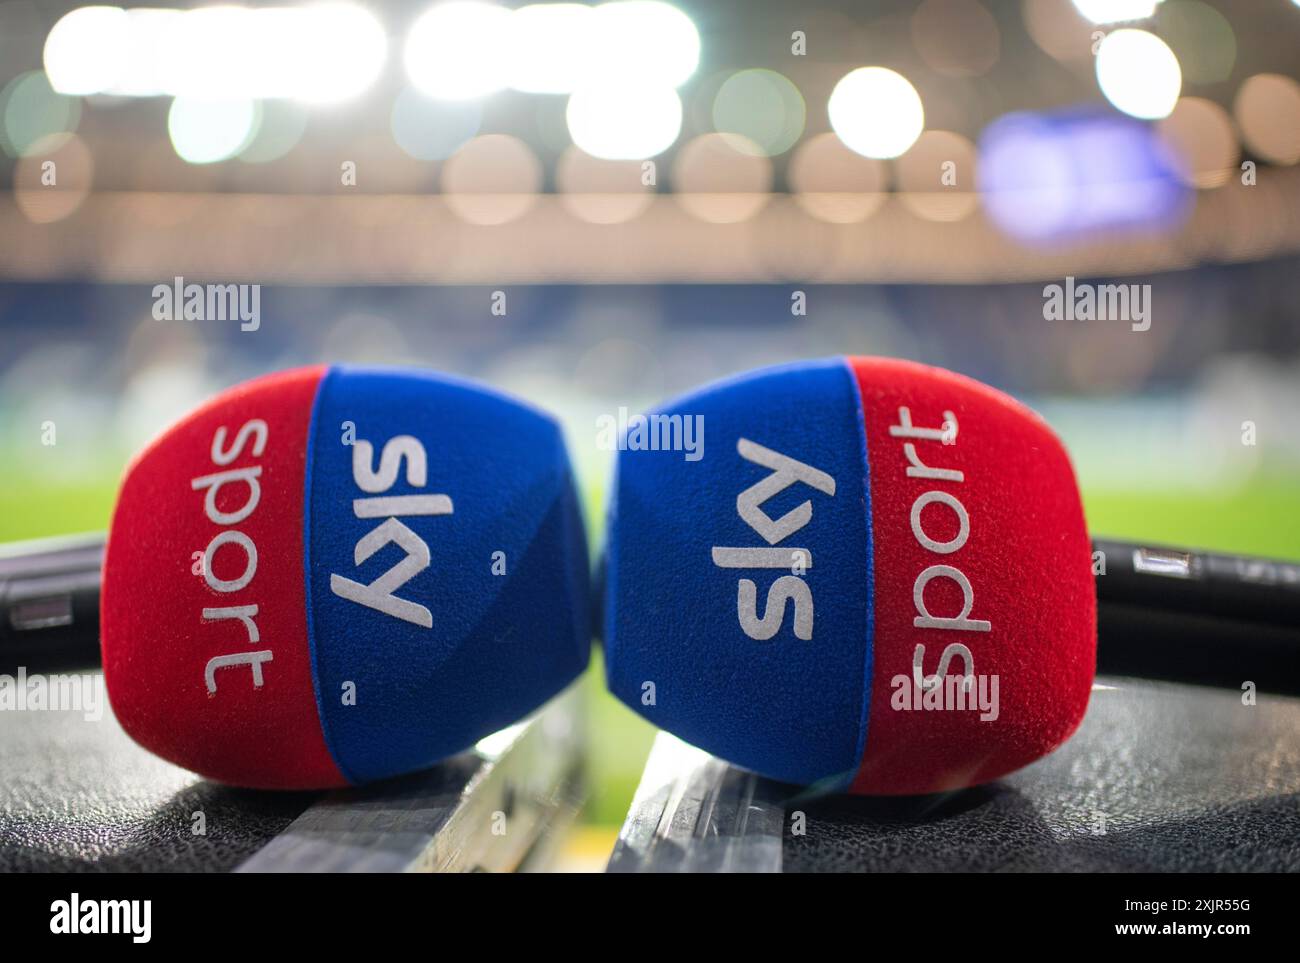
x=464, y=49
x=936, y=176
x=32, y=110
x=643, y=42
x=722, y=178
x=85, y=49
x=601, y=191
x=835, y=184
x=206, y=131
x=1201, y=134
x=1267, y=108
x=54, y=178
x=1077, y=173
x=281, y=124
x=459, y=50
x=624, y=123
x=1138, y=73
x=876, y=112
x=494, y=179
x=430, y=129
x=320, y=53
x=763, y=107
x=1201, y=38
x=1116, y=11
x=149, y=34
x=205, y=57
x=1058, y=28
x=324, y=53
x=550, y=47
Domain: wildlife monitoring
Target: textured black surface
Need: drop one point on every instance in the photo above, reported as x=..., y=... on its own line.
x=1187, y=777
x=80, y=795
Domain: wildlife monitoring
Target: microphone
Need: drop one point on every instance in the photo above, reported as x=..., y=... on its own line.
x=1193, y=616
x=49, y=602
x=328, y=576
x=878, y=579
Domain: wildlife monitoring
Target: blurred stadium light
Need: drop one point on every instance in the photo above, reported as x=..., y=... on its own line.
x=1116, y=11
x=321, y=53
x=395, y=85
x=876, y=112
x=1055, y=176
x=1138, y=73
x=976, y=148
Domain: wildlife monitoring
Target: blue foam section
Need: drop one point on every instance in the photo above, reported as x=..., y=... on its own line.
x=788, y=708
x=498, y=645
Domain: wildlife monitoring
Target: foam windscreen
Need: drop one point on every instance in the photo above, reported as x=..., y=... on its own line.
x=333, y=575
x=876, y=578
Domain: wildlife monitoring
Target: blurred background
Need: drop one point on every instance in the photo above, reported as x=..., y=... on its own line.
x=601, y=206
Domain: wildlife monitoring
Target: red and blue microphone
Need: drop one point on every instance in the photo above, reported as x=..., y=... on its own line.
x=875, y=577
x=334, y=575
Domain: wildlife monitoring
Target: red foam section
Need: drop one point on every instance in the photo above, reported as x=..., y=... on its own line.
x=156, y=644
x=1026, y=556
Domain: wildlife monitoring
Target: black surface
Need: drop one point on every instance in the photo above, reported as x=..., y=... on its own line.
x=1188, y=777
x=80, y=795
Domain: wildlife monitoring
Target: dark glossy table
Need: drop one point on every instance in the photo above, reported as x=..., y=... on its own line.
x=1160, y=777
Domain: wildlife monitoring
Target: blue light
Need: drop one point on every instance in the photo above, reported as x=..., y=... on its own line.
x=1076, y=174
